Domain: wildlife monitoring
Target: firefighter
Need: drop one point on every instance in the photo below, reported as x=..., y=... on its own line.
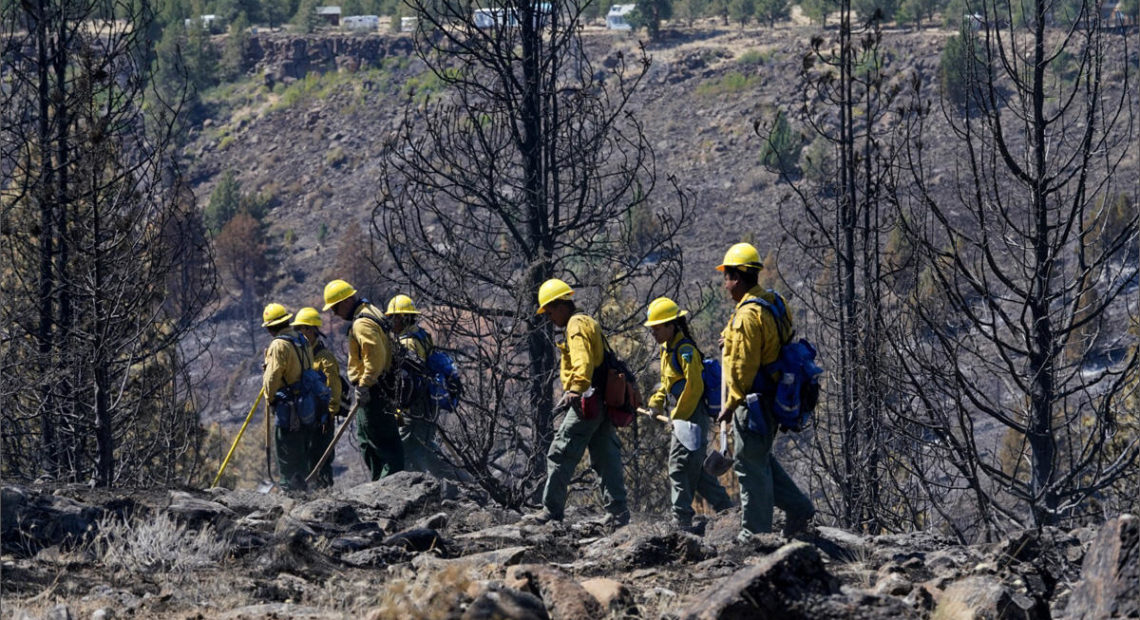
x=285, y=357
x=308, y=324
x=681, y=366
x=585, y=425
x=417, y=434
x=752, y=341
x=369, y=363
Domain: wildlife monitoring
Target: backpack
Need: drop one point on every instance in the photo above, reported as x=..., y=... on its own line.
x=710, y=376
x=305, y=402
x=345, y=406
x=443, y=380
x=407, y=378
x=796, y=394
x=618, y=384
x=446, y=385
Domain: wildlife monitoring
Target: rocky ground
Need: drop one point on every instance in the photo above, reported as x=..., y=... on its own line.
x=414, y=546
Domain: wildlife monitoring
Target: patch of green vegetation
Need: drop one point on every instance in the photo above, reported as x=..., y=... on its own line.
x=335, y=157
x=226, y=97
x=225, y=142
x=731, y=83
x=757, y=58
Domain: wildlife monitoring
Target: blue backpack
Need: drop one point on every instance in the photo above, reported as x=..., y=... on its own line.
x=442, y=378
x=710, y=375
x=796, y=394
x=446, y=385
x=308, y=398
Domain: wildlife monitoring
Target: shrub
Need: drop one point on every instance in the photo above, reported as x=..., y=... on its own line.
x=158, y=544
x=730, y=83
x=335, y=157
x=781, y=150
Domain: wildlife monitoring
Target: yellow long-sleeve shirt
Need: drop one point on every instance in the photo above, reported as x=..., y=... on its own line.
x=369, y=355
x=282, y=364
x=690, y=373
x=581, y=353
x=414, y=342
x=325, y=361
x=751, y=340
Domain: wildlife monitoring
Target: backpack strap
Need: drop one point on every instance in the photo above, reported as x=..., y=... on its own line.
x=779, y=313
x=299, y=348
x=423, y=338
x=674, y=354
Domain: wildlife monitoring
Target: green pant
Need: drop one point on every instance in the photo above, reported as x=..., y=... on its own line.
x=292, y=456
x=574, y=436
x=379, y=437
x=319, y=441
x=688, y=477
x=421, y=453
x=763, y=483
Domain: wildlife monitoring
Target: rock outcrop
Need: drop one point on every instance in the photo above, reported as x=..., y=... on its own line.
x=414, y=546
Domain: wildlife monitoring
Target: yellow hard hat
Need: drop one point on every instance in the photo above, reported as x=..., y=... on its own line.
x=274, y=314
x=663, y=310
x=550, y=290
x=741, y=255
x=401, y=304
x=336, y=292
x=308, y=316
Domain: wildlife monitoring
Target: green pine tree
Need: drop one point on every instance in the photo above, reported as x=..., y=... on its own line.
x=781, y=150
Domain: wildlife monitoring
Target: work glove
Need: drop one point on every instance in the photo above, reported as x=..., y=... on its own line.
x=363, y=396
x=724, y=415
x=568, y=400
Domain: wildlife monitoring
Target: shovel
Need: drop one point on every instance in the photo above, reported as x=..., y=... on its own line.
x=687, y=433
x=718, y=462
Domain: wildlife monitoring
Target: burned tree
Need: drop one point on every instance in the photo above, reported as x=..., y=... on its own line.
x=527, y=164
x=1024, y=329
x=105, y=268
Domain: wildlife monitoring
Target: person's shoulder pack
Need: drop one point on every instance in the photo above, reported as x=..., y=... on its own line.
x=443, y=380
x=618, y=385
x=406, y=379
x=446, y=384
x=710, y=375
x=345, y=406
x=796, y=392
x=305, y=402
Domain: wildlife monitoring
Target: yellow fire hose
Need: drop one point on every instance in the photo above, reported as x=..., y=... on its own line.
x=233, y=447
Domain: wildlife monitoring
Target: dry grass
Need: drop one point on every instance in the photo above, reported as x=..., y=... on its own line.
x=952, y=609
x=429, y=595
x=157, y=545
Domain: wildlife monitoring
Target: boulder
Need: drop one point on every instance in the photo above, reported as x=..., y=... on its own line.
x=486, y=562
x=565, y=598
x=326, y=511
x=655, y=550
x=397, y=496
x=418, y=539
x=1109, y=586
x=981, y=596
x=778, y=586
x=376, y=557
x=31, y=521
x=196, y=512
x=506, y=604
x=613, y=596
